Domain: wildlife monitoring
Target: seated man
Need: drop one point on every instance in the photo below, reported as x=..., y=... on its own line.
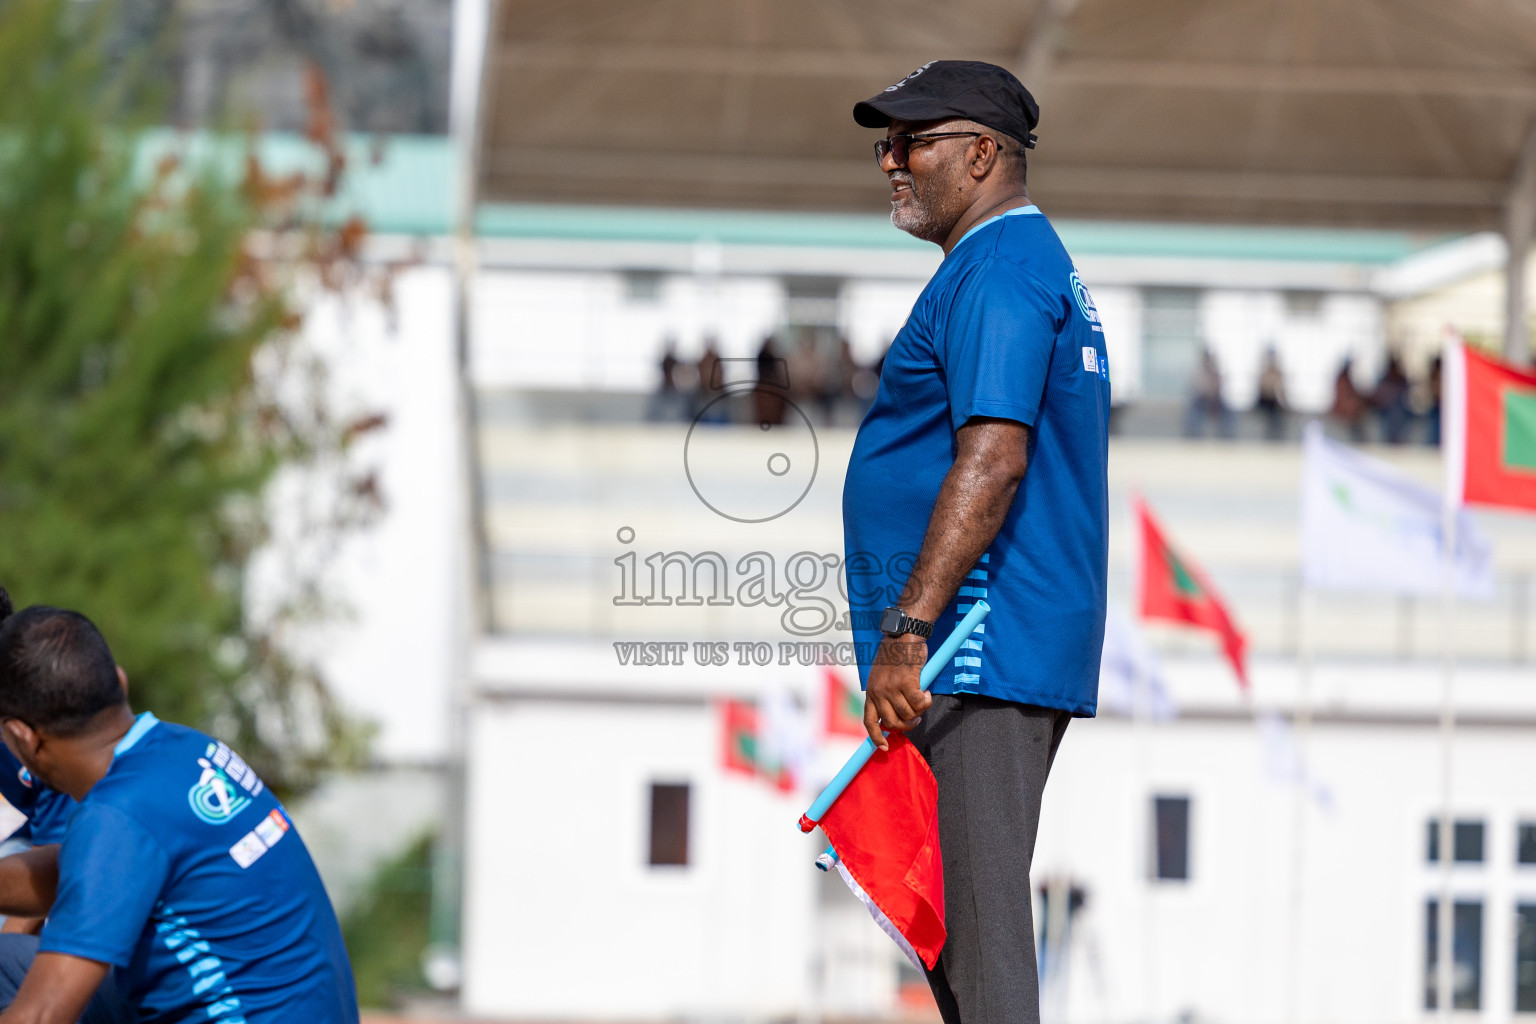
x=179, y=868
x=38, y=814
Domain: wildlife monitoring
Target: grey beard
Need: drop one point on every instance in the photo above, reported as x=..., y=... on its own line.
x=914, y=219
x=919, y=215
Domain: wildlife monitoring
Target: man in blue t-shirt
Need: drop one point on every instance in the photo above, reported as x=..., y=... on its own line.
x=1000, y=369
x=179, y=869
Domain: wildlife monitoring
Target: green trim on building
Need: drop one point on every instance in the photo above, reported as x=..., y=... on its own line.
x=403, y=184
x=871, y=231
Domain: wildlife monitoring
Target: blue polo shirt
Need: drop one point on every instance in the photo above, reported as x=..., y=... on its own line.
x=1004, y=329
x=47, y=810
x=181, y=870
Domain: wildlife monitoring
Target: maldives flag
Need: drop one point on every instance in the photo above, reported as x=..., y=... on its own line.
x=1489, y=411
x=1175, y=589
x=741, y=748
x=885, y=830
x=845, y=706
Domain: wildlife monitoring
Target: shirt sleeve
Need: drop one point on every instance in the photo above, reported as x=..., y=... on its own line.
x=50, y=816
x=111, y=872
x=997, y=344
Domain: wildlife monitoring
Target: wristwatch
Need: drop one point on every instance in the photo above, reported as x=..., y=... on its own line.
x=894, y=622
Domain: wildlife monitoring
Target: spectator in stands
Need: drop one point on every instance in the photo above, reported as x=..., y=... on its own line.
x=806, y=372
x=837, y=380
x=1349, y=405
x=1390, y=400
x=1432, y=404
x=772, y=379
x=864, y=383
x=1205, y=402
x=669, y=401
x=707, y=410
x=1271, y=401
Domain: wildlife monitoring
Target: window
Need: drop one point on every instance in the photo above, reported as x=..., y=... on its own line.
x=642, y=286
x=1172, y=339
x=1525, y=847
x=669, y=824
x=1466, y=841
x=1170, y=824
x=1466, y=954
x=1304, y=305
x=1525, y=957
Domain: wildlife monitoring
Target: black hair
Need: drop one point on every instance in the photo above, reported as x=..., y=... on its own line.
x=5, y=605
x=56, y=671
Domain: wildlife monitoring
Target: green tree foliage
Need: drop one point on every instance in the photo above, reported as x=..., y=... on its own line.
x=151, y=384
x=387, y=930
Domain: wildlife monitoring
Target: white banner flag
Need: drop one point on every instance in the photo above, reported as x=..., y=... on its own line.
x=1130, y=679
x=1366, y=527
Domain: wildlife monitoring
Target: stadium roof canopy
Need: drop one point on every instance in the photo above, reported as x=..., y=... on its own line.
x=1408, y=114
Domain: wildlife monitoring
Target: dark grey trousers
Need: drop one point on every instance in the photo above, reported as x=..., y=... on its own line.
x=16, y=953
x=991, y=759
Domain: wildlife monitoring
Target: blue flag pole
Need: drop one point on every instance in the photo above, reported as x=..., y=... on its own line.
x=861, y=756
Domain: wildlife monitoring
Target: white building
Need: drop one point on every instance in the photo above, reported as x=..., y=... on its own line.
x=574, y=760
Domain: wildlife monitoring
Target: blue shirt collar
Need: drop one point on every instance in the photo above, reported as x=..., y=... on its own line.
x=1016, y=211
x=141, y=725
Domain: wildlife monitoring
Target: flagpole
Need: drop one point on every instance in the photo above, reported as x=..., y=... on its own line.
x=1141, y=724
x=1301, y=794
x=936, y=663
x=1444, y=948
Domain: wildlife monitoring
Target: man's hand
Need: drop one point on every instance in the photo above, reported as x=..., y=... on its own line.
x=893, y=698
x=56, y=990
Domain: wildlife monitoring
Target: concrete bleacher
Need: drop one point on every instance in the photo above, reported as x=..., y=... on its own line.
x=558, y=493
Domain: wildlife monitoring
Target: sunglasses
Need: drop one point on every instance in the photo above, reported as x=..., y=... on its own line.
x=900, y=146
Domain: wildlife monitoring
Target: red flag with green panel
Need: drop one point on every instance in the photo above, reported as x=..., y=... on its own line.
x=1175, y=589
x=1489, y=429
x=845, y=706
x=741, y=747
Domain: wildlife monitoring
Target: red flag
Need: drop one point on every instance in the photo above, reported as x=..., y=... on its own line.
x=885, y=829
x=741, y=748
x=1175, y=589
x=845, y=706
x=1490, y=429
x=738, y=729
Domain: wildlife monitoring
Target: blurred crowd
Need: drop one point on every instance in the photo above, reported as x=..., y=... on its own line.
x=818, y=376
x=1395, y=409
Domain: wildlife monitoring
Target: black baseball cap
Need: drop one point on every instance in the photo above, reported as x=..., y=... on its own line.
x=972, y=89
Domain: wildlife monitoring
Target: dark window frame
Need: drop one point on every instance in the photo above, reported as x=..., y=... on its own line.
x=671, y=813
x=1171, y=816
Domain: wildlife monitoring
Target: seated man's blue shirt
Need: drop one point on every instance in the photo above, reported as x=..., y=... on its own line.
x=180, y=869
x=1005, y=329
x=47, y=810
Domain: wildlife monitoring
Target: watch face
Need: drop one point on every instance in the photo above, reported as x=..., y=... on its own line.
x=890, y=620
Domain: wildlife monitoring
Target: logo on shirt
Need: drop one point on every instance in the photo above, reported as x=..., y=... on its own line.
x=215, y=799
x=1085, y=302
x=260, y=839
x=24, y=777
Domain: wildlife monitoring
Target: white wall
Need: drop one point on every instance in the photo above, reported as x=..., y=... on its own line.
x=557, y=880
x=1219, y=947
x=564, y=919
x=386, y=652
x=579, y=330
